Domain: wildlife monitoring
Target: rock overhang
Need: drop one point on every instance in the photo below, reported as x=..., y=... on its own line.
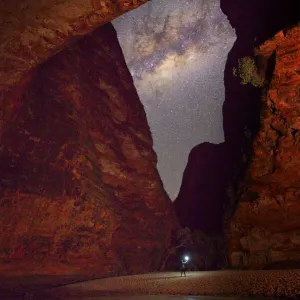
x=32, y=31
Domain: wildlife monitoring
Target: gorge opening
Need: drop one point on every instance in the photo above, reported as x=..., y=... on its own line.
x=176, y=52
x=79, y=184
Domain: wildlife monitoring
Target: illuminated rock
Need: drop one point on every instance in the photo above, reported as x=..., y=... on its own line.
x=80, y=192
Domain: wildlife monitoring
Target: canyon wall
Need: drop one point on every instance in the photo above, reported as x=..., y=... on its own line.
x=31, y=31
x=78, y=181
x=203, y=194
x=265, y=228
x=80, y=192
x=236, y=180
x=253, y=23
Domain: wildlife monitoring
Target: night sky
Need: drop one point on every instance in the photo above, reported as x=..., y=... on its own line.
x=176, y=52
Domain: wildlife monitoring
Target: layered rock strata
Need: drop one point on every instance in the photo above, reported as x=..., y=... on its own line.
x=206, y=197
x=80, y=191
x=265, y=228
x=31, y=31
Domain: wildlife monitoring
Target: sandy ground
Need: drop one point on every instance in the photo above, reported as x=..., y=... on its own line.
x=270, y=283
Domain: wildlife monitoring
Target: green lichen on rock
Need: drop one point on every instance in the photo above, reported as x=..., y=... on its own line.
x=248, y=72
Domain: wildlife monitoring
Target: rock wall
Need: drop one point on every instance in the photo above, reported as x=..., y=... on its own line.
x=254, y=21
x=203, y=194
x=214, y=179
x=80, y=192
x=265, y=228
x=31, y=31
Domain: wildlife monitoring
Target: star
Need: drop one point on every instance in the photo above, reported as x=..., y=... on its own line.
x=176, y=52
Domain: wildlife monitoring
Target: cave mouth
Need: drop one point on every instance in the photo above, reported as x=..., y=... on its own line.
x=177, y=54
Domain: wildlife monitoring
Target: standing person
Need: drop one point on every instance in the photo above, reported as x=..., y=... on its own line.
x=183, y=266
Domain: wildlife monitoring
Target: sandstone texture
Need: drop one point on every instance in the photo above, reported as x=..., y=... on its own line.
x=80, y=192
x=254, y=191
x=265, y=228
x=31, y=31
x=213, y=174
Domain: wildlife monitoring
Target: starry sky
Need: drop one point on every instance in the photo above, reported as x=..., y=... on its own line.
x=176, y=52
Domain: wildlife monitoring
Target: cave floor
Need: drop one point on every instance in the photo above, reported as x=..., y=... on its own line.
x=217, y=285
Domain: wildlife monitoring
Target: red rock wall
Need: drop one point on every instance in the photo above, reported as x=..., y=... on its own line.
x=266, y=226
x=214, y=172
x=31, y=31
x=80, y=191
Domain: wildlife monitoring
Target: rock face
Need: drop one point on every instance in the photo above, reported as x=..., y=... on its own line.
x=255, y=22
x=265, y=228
x=203, y=194
x=80, y=191
x=31, y=31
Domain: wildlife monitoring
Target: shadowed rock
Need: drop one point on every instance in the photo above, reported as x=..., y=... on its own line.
x=265, y=228
x=203, y=193
x=254, y=22
x=261, y=219
x=80, y=192
x=202, y=198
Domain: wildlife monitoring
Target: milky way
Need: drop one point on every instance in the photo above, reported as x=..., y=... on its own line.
x=176, y=52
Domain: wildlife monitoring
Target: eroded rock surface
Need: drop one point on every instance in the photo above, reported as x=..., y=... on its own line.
x=31, y=31
x=80, y=191
x=254, y=22
x=266, y=226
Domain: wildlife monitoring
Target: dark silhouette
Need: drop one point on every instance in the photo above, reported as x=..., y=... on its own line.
x=205, y=178
x=183, y=267
x=214, y=172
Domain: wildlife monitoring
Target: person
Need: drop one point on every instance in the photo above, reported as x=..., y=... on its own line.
x=183, y=267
